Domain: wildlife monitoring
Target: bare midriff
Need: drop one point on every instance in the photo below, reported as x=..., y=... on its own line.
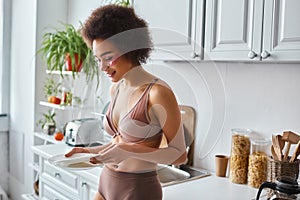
x=132, y=164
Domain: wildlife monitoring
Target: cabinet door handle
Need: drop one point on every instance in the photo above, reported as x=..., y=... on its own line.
x=83, y=184
x=252, y=54
x=265, y=54
x=57, y=175
x=194, y=55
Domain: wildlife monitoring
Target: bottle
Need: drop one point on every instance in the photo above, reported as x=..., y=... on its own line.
x=240, y=150
x=258, y=160
x=66, y=96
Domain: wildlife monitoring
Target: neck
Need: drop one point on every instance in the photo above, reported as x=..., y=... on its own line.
x=136, y=76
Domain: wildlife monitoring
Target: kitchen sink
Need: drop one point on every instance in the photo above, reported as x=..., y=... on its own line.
x=169, y=175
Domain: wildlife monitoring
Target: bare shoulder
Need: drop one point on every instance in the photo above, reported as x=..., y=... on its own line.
x=161, y=93
x=164, y=106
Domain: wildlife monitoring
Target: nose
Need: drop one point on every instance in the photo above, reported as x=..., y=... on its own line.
x=103, y=66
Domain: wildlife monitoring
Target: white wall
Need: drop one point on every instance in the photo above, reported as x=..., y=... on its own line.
x=22, y=95
x=262, y=97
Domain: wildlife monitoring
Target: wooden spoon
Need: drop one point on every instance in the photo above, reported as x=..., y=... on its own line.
x=296, y=153
x=281, y=144
x=276, y=147
x=274, y=155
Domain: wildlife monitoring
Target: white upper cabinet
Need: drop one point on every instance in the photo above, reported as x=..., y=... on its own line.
x=252, y=30
x=281, y=30
x=175, y=26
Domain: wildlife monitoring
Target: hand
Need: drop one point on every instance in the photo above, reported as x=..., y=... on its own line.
x=77, y=150
x=111, y=154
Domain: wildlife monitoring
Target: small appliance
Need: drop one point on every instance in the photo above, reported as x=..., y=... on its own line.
x=84, y=132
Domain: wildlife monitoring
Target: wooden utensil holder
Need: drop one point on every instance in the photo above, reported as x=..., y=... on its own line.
x=277, y=169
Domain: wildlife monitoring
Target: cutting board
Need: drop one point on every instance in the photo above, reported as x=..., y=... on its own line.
x=188, y=120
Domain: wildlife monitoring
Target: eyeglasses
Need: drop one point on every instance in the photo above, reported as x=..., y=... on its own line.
x=107, y=61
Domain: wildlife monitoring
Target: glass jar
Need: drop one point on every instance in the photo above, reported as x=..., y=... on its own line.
x=258, y=159
x=240, y=150
x=66, y=96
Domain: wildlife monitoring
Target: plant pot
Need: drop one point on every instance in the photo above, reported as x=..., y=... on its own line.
x=78, y=63
x=49, y=128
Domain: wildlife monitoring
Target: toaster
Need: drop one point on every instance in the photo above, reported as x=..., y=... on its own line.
x=84, y=132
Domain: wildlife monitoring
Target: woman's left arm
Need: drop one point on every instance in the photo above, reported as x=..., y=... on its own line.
x=164, y=107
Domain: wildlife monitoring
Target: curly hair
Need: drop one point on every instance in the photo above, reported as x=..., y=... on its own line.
x=121, y=26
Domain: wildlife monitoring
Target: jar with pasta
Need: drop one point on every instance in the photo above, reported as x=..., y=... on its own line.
x=257, y=167
x=240, y=150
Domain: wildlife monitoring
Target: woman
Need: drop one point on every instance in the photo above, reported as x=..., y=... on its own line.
x=143, y=116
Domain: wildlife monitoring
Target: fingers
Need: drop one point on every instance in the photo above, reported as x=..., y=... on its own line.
x=111, y=154
x=77, y=150
x=94, y=160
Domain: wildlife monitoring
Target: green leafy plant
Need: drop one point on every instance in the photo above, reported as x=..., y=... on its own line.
x=51, y=87
x=125, y=3
x=66, y=47
x=48, y=118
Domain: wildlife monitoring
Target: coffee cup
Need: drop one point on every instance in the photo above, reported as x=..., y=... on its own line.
x=221, y=162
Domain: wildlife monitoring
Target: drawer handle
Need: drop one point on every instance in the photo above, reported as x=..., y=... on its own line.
x=57, y=175
x=83, y=184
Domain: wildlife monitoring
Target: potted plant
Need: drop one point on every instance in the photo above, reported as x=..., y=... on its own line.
x=48, y=123
x=65, y=50
x=125, y=3
x=52, y=89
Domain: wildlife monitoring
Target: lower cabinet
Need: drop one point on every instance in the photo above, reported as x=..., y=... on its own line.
x=88, y=190
x=51, y=191
x=59, y=184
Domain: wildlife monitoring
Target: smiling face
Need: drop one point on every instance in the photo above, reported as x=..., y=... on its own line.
x=110, y=59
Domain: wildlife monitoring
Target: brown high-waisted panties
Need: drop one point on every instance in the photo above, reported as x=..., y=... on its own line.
x=115, y=185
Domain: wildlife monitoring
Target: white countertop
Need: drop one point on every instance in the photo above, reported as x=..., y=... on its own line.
x=208, y=188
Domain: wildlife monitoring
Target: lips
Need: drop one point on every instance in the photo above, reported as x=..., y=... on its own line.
x=111, y=74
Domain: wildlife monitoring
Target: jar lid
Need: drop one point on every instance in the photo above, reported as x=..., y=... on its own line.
x=241, y=131
x=262, y=141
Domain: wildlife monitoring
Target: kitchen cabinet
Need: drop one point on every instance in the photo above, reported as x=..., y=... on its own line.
x=62, y=184
x=87, y=182
x=56, y=183
x=88, y=189
x=176, y=27
x=252, y=30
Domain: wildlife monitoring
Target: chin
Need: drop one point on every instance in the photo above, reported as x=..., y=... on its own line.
x=115, y=80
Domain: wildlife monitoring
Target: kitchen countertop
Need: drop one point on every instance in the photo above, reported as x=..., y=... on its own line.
x=210, y=187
